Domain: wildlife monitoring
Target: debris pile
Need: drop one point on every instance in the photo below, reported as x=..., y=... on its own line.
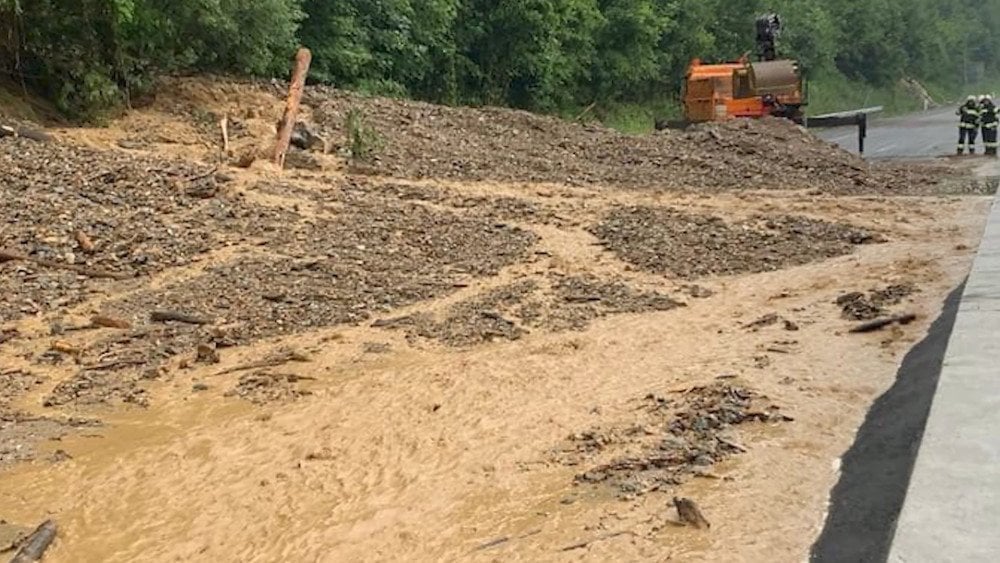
x=419, y=140
x=857, y=306
x=428, y=141
x=671, y=439
x=671, y=242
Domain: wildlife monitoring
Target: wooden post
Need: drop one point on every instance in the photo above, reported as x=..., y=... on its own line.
x=302, y=61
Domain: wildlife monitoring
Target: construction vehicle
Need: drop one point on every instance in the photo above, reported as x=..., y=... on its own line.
x=767, y=87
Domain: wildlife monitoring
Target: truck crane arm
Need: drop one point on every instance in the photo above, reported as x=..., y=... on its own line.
x=768, y=30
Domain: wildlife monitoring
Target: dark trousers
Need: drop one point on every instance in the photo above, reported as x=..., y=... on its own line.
x=967, y=139
x=990, y=140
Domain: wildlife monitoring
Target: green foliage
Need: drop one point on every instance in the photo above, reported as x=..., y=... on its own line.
x=87, y=55
x=547, y=55
x=363, y=141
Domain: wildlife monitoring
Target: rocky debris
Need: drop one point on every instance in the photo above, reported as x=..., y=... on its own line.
x=555, y=303
x=669, y=441
x=20, y=433
x=91, y=387
x=57, y=201
x=261, y=387
x=583, y=298
x=14, y=383
x=688, y=246
x=857, y=306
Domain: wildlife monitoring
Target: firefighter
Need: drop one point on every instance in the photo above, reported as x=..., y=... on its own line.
x=968, y=125
x=988, y=120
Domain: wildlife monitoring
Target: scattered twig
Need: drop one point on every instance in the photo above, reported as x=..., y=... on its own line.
x=585, y=111
x=197, y=177
x=493, y=543
x=731, y=444
x=34, y=547
x=583, y=298
x=168, y=316
x=224, y=125
x=584, y=544
x=882, y=323
x=269, y=363
x=9, y=256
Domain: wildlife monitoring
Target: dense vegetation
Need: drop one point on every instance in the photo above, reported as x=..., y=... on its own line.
x=547, y=55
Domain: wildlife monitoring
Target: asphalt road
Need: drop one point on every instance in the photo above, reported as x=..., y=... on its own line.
x=875, y=471
x=928, y=134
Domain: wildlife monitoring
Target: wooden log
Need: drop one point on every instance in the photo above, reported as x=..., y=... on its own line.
x=9, y=255
x=34, y=547
x=302, y=60
x=882, y=323
x=105, y=321
x=175, y=316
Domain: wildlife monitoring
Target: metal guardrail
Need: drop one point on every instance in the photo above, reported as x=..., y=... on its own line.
x=857, y=117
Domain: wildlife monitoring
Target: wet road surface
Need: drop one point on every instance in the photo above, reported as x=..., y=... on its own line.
x=928, y=134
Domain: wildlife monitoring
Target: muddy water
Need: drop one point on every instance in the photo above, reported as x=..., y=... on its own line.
x=425, y=454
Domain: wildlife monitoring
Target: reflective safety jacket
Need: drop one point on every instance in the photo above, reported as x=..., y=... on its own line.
x=969, y=116
x=989, y=117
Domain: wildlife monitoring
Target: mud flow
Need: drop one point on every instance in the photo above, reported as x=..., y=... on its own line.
x=505, y=337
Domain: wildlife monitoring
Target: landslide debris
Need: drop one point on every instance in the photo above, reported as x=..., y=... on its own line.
x=427, y=141
x=690, y=246
x=420, y=140
x=670, y=440
x=119, y=213
x=857, y=306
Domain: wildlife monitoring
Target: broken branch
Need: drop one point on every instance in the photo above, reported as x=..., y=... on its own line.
x=882, y=323
x=269, y=363
x=176, y=316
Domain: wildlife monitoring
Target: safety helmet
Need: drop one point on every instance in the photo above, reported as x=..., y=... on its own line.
x=970, y=99
x=983, y=97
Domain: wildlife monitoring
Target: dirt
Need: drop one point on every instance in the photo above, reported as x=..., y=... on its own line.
x=669, y=440
x=857, y=306
x=689, y=246
x=377, y=359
